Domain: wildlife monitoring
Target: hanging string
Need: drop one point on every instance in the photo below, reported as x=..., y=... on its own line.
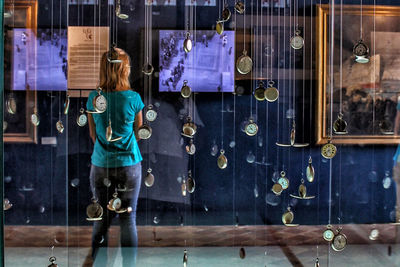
x=278, y=150
x=361, y=19
x=234, y=151
x=304, y=85
x=252, y=73
x=341, y=59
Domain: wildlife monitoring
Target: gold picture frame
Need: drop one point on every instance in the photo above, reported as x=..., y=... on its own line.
x=360, y=87
x=23, y=15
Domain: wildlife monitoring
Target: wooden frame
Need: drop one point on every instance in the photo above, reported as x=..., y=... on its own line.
x=30, y=134
x=383, y=16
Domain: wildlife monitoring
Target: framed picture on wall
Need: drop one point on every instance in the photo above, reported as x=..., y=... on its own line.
x=366, y=93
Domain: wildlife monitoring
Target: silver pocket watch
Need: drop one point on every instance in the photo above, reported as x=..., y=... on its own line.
x=297, y=42
x=82, y=119
x=151, y=114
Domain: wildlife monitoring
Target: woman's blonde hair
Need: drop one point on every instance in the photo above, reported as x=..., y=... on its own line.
x=115, y=75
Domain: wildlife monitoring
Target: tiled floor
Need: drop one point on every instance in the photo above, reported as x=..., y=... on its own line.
x=353, y=255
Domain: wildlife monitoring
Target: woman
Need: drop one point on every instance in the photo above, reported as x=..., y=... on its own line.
x=116, y=165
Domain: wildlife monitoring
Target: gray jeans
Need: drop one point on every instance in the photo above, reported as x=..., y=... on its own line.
x=103, y=182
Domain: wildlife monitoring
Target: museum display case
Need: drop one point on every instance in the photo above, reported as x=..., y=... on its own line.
x=257, y=132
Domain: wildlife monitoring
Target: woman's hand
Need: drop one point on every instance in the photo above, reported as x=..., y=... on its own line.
x=92, y=128
x=138, y=123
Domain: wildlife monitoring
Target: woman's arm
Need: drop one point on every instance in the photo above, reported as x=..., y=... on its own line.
x=138, y=123
x=397, y=123
x=92, y=128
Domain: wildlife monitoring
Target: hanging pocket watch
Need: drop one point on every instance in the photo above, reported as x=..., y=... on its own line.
x=272, y=93
x=316, y=263
x=259, y=93
x=277, y=189
x=186, y=91
x=288, y=217
x=328, y=150
x=283, y=181
x=148, y=69
x=94, y=211
x=190, y=183
x=183, y=187
x=244, y=64
x=99, y=103
x=190, y=148
x=109, y=133
x=185, y=258
x=187, y=43
x=118, y=11
x=66, y=104
x=35, y=119
x=11, y=104
x=151, y=114
x=189, y=129
x=7, y=204
x=60, y=126
x=340, y=125
x=144, y=131
x=361, y=52
x=82, y=119
x=52, y=261
x=149, y=179
x=226, y=14
x=386, y=126
x=310, y=173
x=239, y=7
x=297, y=42
x=242, y=253
x=251, y=128
x=115, y=203
x=302, y=192
x=328, y=234
x=222, y=161
x=339, y=242
x=112, y=55
x=219, y=27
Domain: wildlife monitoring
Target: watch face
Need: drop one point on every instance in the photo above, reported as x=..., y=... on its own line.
x=360, y=49
x=149, y=179
x=94, y=211
x=116, y=204
x=297, y=42
x=151, y=115
x=284, y=182
x=277, y=189
x=339, y=242
x=82, y=120
x=100, y=103
x=222, y=161
x=219, y=27
x=186, y=91
x=328, y=235
x=35, y=119
x=144, y=132
x=251, y=129
x=271, y=94
x=328, y=151
x=60, y=127
x=244, y=64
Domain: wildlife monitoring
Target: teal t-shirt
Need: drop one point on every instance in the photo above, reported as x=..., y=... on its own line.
x=122, y=107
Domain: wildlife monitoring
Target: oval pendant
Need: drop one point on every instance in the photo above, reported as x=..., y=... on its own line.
x=149, y=179
x=310, y=173
x=222, y=161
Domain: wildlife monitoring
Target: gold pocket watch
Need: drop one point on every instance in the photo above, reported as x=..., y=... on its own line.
x=66, y=104
x=186, y=91
x=339, y=242
x=361, y=52
x=242, y=253
x=7, y=204
x=99, y=103
x=328, y=150
x=35, y=119
x=144, y=131
x=219, y=27
x=297, y=42
x=340, y=125
x=147, y=69
x=251, y=128
x=187, y=43
x=310, y=172
x=283, y=181
x=115, y=203
x=185, y=258
x=118, y=11
x=52, y=261
x=259, y=93
x=109, y=133
x=11, y=104
x=183, y=187
x=226, y=14
x=149, y=179
x=272, y=93
x=239, y=7
x=82, y=119
x=151, y=114
x=60, y=126
x=288, y=217
x=189, y=129
x=190, y=148
x=112, y=55
x=302, y=192
x=244, y=63
x=277, y=189
x=190, y=183
x=94, y=211
x=222, y=161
